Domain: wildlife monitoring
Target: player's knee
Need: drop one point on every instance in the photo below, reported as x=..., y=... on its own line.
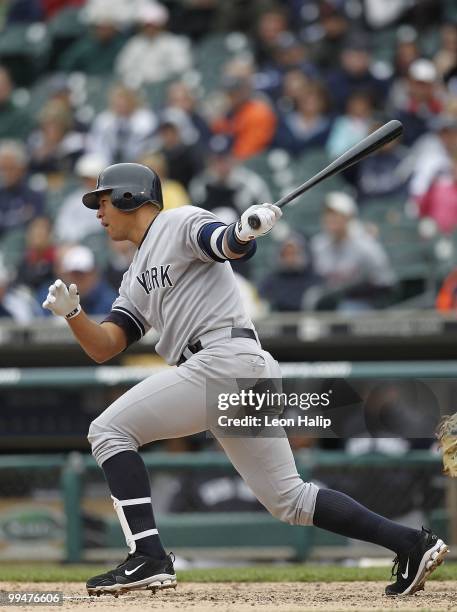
x=107, y=440
x=295, y=507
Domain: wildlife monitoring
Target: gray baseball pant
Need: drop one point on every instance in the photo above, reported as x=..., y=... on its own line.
x=172, y=404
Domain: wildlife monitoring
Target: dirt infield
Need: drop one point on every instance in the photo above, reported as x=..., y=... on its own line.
x=241, y=597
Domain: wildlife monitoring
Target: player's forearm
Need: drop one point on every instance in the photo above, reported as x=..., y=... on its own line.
x=93, y=338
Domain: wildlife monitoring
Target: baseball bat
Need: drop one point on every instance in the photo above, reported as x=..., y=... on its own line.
x=389, y=131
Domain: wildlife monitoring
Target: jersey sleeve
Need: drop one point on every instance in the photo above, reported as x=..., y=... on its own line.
x=126, y=316
x=204, y=234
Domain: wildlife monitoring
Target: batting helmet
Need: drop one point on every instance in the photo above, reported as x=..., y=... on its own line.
x=130, y=185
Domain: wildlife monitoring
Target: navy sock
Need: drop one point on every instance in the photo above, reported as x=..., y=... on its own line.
x=337, y=512
x=127, y=478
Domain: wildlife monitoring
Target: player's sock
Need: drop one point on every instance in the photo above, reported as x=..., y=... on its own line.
x=337, y=512
x=128, y=479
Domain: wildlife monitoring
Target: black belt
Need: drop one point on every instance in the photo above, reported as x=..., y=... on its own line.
x=236, y=332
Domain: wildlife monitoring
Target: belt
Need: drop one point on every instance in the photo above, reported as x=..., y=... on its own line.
x=234, y=332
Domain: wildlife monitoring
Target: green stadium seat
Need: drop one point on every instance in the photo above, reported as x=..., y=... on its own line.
x=213, y=51
x=67, y=23
x=24, y=50
x=98, y=243
x=12, y=247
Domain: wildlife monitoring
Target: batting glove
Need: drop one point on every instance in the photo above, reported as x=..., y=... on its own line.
x=63, y=301
x=268, y=214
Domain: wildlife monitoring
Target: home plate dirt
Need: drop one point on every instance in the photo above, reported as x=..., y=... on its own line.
x=240, y=597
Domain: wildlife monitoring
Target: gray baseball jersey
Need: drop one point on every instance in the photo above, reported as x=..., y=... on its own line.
x=175, y=287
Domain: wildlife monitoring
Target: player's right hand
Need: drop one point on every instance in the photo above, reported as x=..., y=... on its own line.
x=268, y=215
x=63, y=301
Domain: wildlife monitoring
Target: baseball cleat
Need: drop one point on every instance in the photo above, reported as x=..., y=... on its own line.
x=136, y=572
x=414, y=568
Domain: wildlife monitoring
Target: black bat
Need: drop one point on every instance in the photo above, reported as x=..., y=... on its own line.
x=374, y=141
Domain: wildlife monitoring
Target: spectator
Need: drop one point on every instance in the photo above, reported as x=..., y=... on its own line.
x=288, y=53
x=406, y=52
x=294, y=87
x=285, y=286
x=180, y=96
x=355, y=271
x=19, y=204
x=422, y=100
x=24, y=11
x=153, y=55
x=355, y=74
x=74, y=221
x=440, y=201
x=384, y=174
x=333, y=28
x=355, y=124
x=16, y=302
x=52, y=7
x=122, y=132
x=446, y=300
x=14, y=122
x=194, y=18
x=309, y=125
x=432, y=155
x=95, y=53
x=173, y=193
x=249, y=120
x=225, y=187
x=76, y=264
x=184, y=160
x=445, y=59
x=271, y=23
x=37, y=265
x=55, y=146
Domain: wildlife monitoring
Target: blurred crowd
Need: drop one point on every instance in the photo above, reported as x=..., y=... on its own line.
x=298, y=77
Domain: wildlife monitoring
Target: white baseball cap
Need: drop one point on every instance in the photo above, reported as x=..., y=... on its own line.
x=341, y=202
x=90, y=165
x=423, y=70
x=78, y=259
x=154, y=13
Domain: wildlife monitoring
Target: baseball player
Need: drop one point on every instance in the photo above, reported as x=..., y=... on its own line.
x=181, y=283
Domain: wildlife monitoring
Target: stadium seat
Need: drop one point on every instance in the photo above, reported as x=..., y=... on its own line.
x=12, y=247
x=24, y=50
x=213, y=51
x=64, y=28
x=98, y=243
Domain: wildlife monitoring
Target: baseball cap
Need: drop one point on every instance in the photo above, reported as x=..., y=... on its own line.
x=341, y=202
x=153, y=13
x=90, y=165
x=423, y=70
x=220, y=144
x=78, y=259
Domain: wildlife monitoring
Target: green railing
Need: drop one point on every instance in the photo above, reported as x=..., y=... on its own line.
x=234, y=529
x=128, y=375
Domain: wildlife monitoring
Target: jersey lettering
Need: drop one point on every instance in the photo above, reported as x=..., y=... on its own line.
x=155, y=278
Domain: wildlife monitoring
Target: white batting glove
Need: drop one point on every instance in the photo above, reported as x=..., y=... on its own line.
x=63, y=301
x=268, y=214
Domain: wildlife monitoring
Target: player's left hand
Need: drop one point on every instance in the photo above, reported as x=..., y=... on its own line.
x=268, y=214
x=63, y=300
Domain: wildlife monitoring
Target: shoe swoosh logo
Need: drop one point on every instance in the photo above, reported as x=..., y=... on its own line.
x=405, y=575
x=128, y=573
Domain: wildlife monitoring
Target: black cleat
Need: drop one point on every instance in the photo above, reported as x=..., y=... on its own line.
x=412, y=569
x=136, y=572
